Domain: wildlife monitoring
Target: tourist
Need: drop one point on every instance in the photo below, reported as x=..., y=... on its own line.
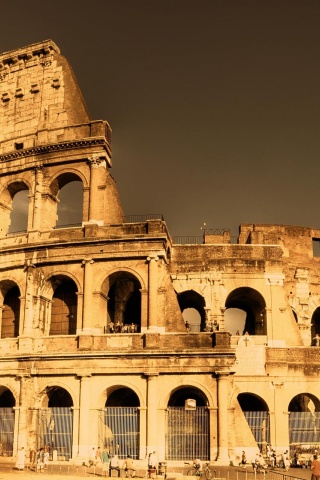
x=21, y=456
x=98, y=455
x=315, y=468
x=128, y=467
x=153, y=460
x=243, y=459
x=39, y=461
x=114, y=465
x=46, y=458
x=197, y=464
x=105, y=463
x=92, y=457
x=316, y=341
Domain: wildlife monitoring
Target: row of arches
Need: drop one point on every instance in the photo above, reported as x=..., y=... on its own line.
x=245, y=311
x=303, y=419
x=121, y=296
x=187, y=422
x=66, y=189
x=120, y=293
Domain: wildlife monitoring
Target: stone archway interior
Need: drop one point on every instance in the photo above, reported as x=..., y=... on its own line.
x=119, y=425
x=192, y=300
x=254, y=306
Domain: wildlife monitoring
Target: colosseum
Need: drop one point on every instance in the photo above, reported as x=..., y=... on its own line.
x=112, y=332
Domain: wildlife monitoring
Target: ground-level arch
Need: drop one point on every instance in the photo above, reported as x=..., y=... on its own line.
x=54, y=423
x=187, y=425
x=119, y=422
x=256, y=412
x=304, y=421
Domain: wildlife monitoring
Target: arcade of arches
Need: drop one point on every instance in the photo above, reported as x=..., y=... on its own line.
x=120, y=424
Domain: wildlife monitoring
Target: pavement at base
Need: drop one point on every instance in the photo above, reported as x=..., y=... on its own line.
x=65, y=471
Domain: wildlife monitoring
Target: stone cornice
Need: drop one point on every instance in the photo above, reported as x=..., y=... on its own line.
x=43, y=149
x=39, y=51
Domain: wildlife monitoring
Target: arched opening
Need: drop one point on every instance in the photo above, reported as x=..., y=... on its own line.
x=19, y=213
x=11, y=314
x=191, y=302
x=64, y=204
x=315, y=327
x=252, y=303
x=59, y=397
x=55, y=423
x=123, y=303
x=7, y=404
x=304, y=422
x=235, y=320
x=14, y=208
x=187, y=421
x=70, y=203
x=256, y=412
x=119, y=424
x=64, y=307
x=192, y=317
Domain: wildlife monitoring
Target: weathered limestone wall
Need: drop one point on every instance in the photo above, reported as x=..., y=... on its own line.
x=38, y=91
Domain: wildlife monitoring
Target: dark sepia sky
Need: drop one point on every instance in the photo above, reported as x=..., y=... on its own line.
x=214, y=104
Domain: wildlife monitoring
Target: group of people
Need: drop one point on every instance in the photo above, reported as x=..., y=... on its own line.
x=260, y=463
x=123, y=327
x=209, y=326
x=38, y=459
x=111, y=462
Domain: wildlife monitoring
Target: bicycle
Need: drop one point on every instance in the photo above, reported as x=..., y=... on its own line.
x=196, y=472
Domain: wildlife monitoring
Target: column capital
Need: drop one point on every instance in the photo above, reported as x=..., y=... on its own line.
x=84, y=376
x=222, y=373
x=87, y=261
x=154, y=257
x=96, y=160
x=151, y=374
x=39, y=168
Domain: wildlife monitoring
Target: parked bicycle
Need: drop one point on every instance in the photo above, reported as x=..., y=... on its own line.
x=205, y=471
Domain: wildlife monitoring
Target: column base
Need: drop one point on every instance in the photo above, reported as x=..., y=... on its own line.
x=223, y=458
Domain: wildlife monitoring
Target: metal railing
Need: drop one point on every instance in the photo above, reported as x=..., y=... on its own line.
x=197, y=240
x=143, y=218
x=188, y=240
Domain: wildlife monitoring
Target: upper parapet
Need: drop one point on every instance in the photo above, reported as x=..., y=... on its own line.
x=38, y=92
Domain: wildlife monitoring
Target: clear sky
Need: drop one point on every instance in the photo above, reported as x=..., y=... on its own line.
x=214, y=104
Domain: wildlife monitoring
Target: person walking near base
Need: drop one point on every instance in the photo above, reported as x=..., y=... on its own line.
x=21, y=456
x=105, y=463
x=315, y=468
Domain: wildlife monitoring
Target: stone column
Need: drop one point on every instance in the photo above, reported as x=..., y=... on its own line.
x=1, y=311
x=152, y=412
x=280, y=435
x=28, y=329
x=153, y=291
x=213, y=419
x=222, y=387
x=87, y=314
x=95, y=163
x=84, y=416
x=37, y=202
x=22, y=412
x=75, y=431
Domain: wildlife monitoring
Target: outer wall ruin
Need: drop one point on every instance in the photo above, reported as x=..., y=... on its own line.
x=95, y=345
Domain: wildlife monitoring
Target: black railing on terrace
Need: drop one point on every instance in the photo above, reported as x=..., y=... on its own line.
x=188, y=240
x=196, y=240
x=143, y=218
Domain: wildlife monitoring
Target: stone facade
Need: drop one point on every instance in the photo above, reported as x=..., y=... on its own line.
x=93, y=316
